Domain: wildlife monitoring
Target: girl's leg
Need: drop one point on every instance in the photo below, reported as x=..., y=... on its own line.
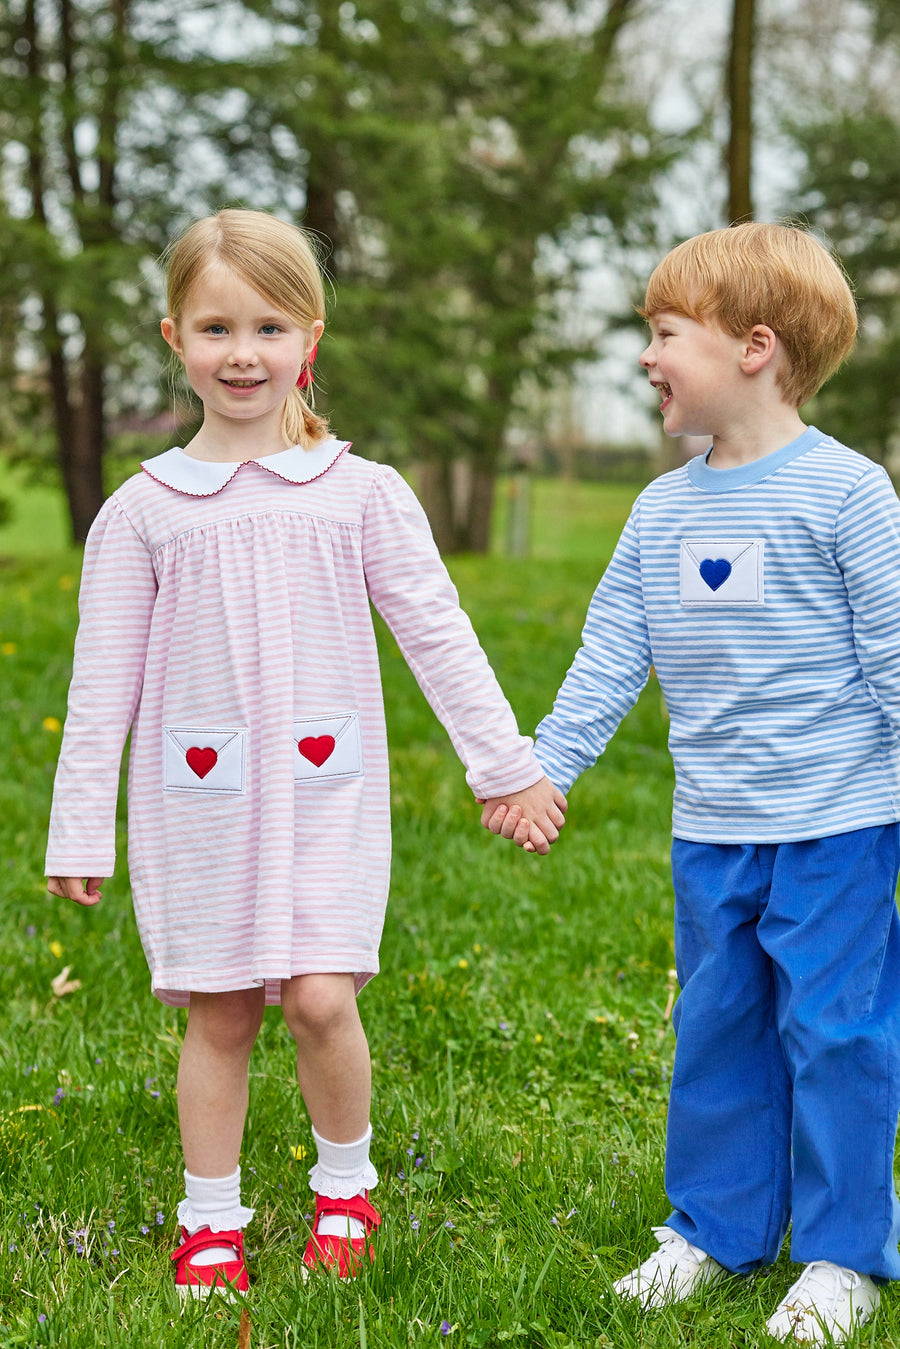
x=333, y=1066
x=728, y=1135
x=335, y=1076
x=212, y=1106
x=212, y=1078
x=833, y=933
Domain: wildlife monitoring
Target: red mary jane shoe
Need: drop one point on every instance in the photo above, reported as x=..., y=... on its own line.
x=345, y=1255
x=223, y=1278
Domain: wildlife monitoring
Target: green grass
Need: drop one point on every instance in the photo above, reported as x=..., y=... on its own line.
x=517, y=1032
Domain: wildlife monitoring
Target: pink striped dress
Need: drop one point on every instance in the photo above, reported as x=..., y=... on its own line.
x=225, y=620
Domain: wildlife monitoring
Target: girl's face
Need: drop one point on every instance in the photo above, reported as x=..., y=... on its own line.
x=241, y=354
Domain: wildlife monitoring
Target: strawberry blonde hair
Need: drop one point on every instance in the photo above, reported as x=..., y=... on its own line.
x=279, y=261
x=777, y=275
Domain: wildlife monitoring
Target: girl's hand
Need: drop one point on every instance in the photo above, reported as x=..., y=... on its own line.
x=75, y=888
x=532, y=818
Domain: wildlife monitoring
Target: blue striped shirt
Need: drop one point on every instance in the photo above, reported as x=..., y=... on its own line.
x=767, y=597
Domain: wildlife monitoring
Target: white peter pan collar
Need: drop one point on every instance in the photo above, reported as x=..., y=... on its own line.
x=203, y=478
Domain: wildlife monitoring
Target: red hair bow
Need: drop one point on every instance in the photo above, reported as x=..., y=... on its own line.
x=306, y=374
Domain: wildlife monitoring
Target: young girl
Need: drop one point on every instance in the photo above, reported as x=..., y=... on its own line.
x=225, y=620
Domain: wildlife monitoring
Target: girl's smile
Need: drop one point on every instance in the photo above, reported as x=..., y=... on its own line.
x=242, y=356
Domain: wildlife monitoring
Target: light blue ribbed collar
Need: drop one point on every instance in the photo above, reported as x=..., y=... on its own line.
x=203, y=478
x=745, y=475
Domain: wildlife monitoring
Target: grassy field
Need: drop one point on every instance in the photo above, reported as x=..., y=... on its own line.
x=518, y=1031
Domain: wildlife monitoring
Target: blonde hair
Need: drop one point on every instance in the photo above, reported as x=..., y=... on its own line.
x=778, y=275
x=279, y=261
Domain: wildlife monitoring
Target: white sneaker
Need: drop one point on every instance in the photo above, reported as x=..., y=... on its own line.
x=826, y=1301
x=671, y=1274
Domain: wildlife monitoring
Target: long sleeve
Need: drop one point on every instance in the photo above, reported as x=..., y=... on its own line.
x=410, y=588
x=607, y=674
x=118, y=591
x=867, y=545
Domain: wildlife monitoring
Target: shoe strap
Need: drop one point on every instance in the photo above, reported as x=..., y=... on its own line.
x=204, y=1240
x=357, y=1207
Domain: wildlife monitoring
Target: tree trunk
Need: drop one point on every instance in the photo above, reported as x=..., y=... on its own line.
x=740, y=98
x=457, y=495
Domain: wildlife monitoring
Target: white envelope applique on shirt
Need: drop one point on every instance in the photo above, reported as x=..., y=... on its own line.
x=327, y=748
x=722, y=571
x=204, y=759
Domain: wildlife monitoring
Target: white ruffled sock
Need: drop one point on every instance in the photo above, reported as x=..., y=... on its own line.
x=342, y=1170
x=213, y=1202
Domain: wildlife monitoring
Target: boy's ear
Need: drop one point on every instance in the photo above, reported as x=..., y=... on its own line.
x=170, y=332
x=760, y=347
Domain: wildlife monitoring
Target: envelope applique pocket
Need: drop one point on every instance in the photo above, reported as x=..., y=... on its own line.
x=722, y=571
x=327, y=749
x=204, y=759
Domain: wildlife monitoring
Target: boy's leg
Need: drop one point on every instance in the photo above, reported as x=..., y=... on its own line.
x=833, y=934
x=728, y=1136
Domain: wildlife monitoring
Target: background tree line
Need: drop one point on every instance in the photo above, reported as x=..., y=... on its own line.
x=460, y=165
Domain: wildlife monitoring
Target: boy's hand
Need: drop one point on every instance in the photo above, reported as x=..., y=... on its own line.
x=531, y=818
x=75, y=888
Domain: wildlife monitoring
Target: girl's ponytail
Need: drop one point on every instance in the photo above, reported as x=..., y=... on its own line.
x=300, y=423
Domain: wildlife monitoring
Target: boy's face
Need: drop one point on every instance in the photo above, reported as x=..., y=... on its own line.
x=696, y=368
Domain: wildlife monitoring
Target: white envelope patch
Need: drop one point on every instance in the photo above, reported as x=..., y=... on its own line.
x=327, y=748
x=722, y=571
x=203, y=759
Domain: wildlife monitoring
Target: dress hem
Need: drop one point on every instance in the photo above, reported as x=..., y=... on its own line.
x=174, y=989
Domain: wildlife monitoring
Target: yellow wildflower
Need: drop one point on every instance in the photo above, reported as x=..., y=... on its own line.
x=298, y=1152
x=52, y=724
x=56, y=949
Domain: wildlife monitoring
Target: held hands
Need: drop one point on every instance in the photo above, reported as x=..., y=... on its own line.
x=531, y=818
x=76, y=888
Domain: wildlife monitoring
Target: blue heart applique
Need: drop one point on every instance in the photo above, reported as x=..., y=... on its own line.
x=715, y=573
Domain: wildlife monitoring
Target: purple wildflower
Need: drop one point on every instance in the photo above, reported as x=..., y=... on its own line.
x=414, y=1222
x=41, y=1319
x=59, y=1095
x=145, y=1230
x=419, y=1161
x=160, y=1217
x=446, y=1327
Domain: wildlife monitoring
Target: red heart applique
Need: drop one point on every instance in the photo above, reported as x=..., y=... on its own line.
x=317, y=748
x=201, y=761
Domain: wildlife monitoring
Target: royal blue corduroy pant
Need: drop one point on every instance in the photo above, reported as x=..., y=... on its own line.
x=786, y=1085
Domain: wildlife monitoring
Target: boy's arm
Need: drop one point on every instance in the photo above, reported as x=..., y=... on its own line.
x=867, y=550
x=608, y=672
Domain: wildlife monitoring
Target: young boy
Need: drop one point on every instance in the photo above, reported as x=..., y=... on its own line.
x=762, y=581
